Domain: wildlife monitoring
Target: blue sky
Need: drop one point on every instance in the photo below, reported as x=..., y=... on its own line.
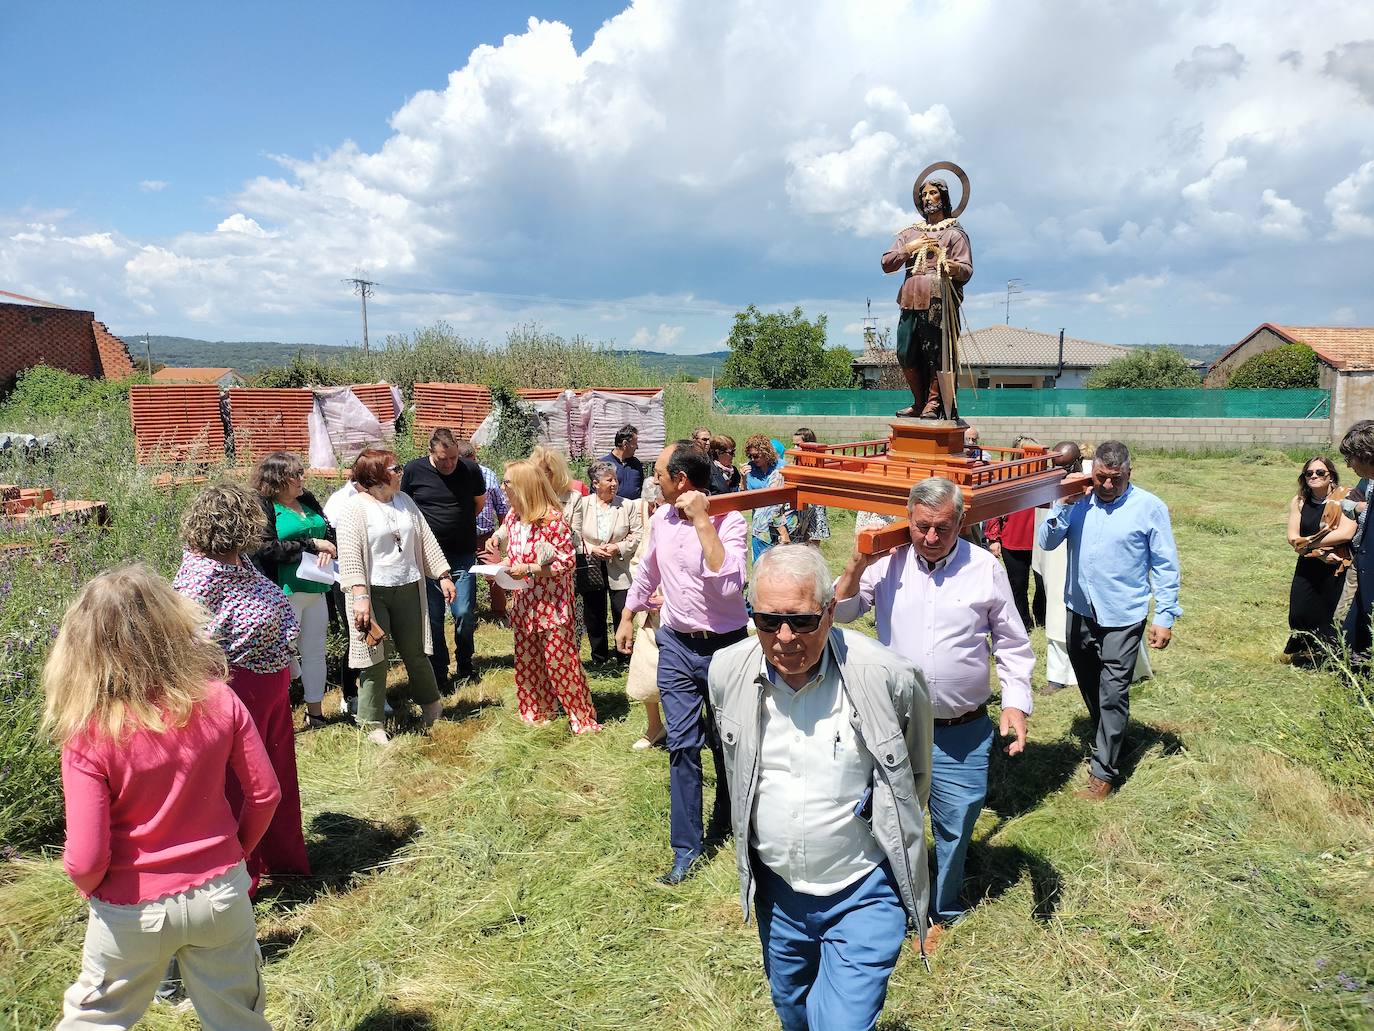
x=1154, y=172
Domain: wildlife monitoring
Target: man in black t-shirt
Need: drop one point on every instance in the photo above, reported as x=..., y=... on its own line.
x=450, y=491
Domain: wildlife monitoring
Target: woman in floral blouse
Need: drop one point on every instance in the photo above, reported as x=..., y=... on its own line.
x=539, y=550
x=253, y=622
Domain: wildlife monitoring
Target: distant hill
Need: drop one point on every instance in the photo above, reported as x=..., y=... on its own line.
x=247, y=356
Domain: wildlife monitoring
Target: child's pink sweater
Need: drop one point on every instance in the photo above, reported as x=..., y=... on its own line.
x=147, y=816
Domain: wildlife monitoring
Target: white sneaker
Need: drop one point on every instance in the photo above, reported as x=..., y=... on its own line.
x=379, y=737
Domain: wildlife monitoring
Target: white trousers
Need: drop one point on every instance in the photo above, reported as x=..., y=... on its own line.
x=211, y=932
x=1057, y=668
x=313, y=615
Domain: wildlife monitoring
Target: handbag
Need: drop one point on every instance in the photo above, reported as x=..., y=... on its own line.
x=590, y=574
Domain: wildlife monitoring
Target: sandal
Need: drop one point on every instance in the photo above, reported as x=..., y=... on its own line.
x=313, y=722
x=644, y=743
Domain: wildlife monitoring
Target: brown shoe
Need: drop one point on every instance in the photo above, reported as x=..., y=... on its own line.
x=1096, y=791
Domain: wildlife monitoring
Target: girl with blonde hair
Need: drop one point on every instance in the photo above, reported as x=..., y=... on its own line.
x=135, y=697
x=539, y=550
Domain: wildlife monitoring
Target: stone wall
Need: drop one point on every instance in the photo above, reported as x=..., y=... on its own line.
x=1174, y=434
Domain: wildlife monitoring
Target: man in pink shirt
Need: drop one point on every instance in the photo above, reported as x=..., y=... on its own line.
x=698, y=560
x=937, y=602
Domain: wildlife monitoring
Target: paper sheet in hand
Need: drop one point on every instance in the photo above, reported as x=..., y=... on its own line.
x=310, y=569
x=503, y=578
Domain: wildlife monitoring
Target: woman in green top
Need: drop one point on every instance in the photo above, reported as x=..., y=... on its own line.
x=296, y=525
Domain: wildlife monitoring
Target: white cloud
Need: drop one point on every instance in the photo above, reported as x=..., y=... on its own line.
x=1209, y=64
x=238, y=222
x=665, y=338
x=1354, y=63
x=1351, y=203
x=1283, y=218
x=152, y=185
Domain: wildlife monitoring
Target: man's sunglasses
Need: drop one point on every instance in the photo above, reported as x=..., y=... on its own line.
x=800, y=622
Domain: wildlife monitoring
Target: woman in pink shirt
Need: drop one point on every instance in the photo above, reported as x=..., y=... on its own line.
x=135, y=697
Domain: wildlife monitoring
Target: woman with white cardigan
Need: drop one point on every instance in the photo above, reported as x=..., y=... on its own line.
x=386, y=550
x=606, y=531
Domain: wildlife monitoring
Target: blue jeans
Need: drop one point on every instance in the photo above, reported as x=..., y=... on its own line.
x=829, y=957
x=958, y=788
x=464, y=609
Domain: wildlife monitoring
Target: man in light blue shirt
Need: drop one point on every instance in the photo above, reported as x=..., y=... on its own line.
x=1121, y=549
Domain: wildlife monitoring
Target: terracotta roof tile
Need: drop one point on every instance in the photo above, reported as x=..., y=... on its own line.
x=1343, y=347
x=172, y=374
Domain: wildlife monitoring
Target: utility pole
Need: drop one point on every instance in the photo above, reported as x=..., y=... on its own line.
x=148, y=350
x=1013, y=287
x=363, y=288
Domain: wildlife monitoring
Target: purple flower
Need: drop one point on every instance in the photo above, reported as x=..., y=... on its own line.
x=1347, y=982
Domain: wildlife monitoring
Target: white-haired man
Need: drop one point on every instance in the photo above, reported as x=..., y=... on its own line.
x=939, y=601
x=827, y=738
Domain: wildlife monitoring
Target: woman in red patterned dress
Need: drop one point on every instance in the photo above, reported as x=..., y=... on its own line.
x=539, y=550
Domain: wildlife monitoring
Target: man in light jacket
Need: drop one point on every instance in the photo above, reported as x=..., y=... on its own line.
x=827, y=741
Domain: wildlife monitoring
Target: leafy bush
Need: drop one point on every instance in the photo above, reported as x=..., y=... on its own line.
x=784, y=351
x=302, y=371
x=1146, y=368
x=1290, y=367
x=42, y=394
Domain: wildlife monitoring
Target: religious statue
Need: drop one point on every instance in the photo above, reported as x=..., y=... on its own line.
x=938, y=260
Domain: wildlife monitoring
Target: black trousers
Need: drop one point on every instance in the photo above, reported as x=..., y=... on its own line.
x=1019, y=572
x=338, y=618
x=594, y=613
x=1103, y=660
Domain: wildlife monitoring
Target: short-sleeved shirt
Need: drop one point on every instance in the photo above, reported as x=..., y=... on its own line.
x=447, y=504
x=293, y=526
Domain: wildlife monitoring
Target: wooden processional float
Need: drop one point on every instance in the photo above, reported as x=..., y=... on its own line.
x=877, y=476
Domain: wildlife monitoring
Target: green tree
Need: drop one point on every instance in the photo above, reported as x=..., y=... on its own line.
x=784, y=351
x=1292, y=366
x=1145, y=368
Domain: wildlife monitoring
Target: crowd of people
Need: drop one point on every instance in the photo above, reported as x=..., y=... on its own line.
x=171, y=702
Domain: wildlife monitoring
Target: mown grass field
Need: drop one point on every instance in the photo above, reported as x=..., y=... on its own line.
x=495, y=876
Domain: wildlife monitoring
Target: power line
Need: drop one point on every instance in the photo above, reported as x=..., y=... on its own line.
x=363, y=288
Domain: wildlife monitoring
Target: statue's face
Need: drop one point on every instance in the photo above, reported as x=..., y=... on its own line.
x=932, y=204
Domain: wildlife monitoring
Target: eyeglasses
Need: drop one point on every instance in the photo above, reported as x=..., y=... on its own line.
x=393, y=469
x=1317, y=474
x=800, y=622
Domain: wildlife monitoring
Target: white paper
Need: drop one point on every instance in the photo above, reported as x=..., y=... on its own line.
x=310, y=569
x=502, y=577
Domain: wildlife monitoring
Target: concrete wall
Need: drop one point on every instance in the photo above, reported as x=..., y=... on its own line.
x=1179, y=434
x=1351, y=400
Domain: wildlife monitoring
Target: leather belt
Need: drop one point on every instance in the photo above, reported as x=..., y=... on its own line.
x=705, y=635
x=968, y=717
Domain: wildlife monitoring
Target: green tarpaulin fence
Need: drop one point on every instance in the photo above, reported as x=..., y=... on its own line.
x=1072, y=403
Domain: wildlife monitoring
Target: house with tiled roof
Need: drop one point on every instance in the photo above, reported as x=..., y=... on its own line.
x=1345, y=358
x=1002, y=356
x=35, y=332
x=223, y=378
